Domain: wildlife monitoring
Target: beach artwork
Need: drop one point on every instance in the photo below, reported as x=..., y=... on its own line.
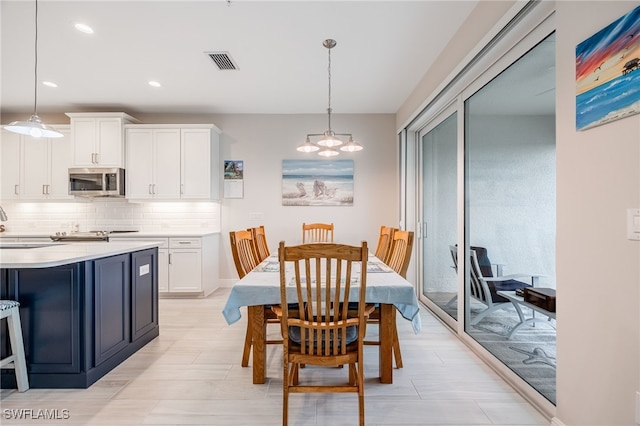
x=317, y=182
x=607, y=76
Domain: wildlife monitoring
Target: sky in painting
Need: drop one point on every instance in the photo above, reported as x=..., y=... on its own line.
x=603, y=56
x=317, y=167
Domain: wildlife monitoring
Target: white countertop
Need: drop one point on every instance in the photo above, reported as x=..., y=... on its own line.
x=56, y=254
x=142, y=234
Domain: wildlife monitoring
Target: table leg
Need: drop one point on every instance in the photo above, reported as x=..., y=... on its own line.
x=387, y=322
x=258, y=334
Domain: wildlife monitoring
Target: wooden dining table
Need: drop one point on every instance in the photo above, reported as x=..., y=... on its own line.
x=261, y=287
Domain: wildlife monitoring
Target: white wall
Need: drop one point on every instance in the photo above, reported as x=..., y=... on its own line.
x=598, y=356
x=263, y=141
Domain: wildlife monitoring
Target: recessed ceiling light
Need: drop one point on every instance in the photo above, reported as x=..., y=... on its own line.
x=83, y=28
x=154, y=84
x=49, y=84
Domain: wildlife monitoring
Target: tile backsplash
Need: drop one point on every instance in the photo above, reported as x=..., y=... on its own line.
x=111, y=214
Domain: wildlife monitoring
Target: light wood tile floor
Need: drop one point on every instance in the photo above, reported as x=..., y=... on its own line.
x=191, y=375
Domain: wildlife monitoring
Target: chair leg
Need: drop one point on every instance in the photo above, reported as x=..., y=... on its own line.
x=285, y=394
x=17, y=349
x=247, y=346
x=396, y=348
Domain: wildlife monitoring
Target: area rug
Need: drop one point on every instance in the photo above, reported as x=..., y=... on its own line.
x=530, y=353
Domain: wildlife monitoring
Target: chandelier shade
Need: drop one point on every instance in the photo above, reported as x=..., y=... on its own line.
x=329, y=140
x=34, y=126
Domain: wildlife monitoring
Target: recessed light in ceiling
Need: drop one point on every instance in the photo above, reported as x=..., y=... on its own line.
x=83, y=28
x=49, y=84
x=154, y=84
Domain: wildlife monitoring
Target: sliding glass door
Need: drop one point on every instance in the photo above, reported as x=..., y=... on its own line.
x=438, y=148
x=487, y=210
x=509, y=209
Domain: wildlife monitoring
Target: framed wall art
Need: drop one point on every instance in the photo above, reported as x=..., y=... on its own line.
x=607, y=77
x=317, y=182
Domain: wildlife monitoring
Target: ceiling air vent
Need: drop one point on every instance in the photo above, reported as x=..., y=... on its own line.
x=223, y=60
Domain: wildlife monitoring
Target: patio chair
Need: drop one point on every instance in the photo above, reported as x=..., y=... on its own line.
x=483, y=287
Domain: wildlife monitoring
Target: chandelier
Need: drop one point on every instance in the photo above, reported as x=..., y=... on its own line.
x=34, y=126
x=329, y=141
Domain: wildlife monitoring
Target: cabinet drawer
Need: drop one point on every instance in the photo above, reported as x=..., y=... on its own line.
x=164, y=242
x=185, y=242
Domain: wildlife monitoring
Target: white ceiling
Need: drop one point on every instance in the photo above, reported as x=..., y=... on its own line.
x=383, y=50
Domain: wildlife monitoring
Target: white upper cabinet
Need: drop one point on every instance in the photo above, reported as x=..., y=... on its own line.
x=10, y=166
x=153, y=166
x=98, y=138
x=36, y=168
x=172, y=162
x=197, y=162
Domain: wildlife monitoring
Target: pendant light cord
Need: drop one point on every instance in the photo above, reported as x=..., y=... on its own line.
x=329, y=108
x=35, y=73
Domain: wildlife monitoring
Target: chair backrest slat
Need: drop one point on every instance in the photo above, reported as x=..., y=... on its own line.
x=260, y=242
x=317, y=233
x=323, y=274
x=384, y=243
x=243, y=251
x=400, y=254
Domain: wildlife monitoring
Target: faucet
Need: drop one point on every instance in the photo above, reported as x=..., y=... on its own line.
x=3, y=215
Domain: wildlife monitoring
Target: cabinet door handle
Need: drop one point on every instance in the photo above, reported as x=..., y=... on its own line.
x=154, y=188
x=93, y=158
x=169, y=258
x=16, y=189
x=97, y=158
x=150, y=188
x=44, y=189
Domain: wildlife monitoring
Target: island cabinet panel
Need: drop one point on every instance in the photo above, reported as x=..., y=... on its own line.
x=112, y=306
x=144, y=300
x=50, y=309
x=81, y=320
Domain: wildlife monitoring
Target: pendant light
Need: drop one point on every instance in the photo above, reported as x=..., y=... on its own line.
x=34, y=126
x=330, y=141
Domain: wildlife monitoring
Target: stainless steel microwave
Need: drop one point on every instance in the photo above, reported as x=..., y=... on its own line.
x=96, y=182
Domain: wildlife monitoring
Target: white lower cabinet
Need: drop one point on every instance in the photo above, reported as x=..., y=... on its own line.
x=163, y=270
x=187, y=266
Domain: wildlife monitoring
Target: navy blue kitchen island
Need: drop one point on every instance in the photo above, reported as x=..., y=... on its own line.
x=84, y=308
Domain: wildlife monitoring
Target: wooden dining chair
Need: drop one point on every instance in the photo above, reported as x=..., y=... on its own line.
x=246, y=259
x=398, y=259
x=384, y=243
x=260, y=242
x=400, y=254
x=243, y=251
x=317, y=233
x=321, y=330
